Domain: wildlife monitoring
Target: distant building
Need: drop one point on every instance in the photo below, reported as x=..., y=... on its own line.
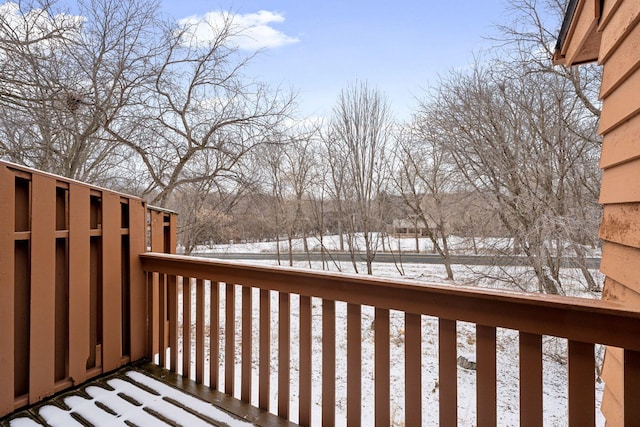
x=409, y=227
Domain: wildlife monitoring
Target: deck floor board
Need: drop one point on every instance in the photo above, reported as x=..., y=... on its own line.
x=142, y=395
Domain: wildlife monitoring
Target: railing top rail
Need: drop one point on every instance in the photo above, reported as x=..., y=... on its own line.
x=578, y=319
x=159, y=209
x=31, y=171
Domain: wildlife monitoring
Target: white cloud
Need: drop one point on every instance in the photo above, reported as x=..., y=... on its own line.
x=250, y=31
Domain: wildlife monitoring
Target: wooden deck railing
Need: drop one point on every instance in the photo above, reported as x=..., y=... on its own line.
x=72, y=291
x=79, y=297
x=582, y=322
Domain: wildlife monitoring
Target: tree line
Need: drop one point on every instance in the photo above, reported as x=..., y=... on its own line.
x=116, y=95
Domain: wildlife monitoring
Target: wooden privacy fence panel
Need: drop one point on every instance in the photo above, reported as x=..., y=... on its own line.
x=72, y=291
x=582, y=323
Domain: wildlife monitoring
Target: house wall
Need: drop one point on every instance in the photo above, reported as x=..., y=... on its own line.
x=609, y=32
x=619, y=54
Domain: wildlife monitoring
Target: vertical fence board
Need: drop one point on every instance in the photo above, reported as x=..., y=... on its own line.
x=486, y=376
x=173, y=322
x=138, y=291
x=448, y=372
x=79, y=274
x=247, y=315
x=162, y=320
x=230, y=339
x=530, y=380
x=61, y=289
x=382, y=361
x=328, y=362
x=156, y=234
x=631, y=393
x=111, y=282
x=151, y=309
x=186, y=327
x=199, y=331
x=125, y=280
x=354, y=365
x=7, y=249
x=413, y=369
x=214, y=334
x=284, y=351
x=172, y=238
x=264, y=369
x=304, y=408
x=582, y=395
x=42, y=334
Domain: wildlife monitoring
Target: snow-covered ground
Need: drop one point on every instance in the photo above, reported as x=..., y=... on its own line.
x=457, y=245
x=554, y=363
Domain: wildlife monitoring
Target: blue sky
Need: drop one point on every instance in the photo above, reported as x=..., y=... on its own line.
x=318, y=47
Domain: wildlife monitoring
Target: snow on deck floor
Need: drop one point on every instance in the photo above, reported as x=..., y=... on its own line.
x=129, y=399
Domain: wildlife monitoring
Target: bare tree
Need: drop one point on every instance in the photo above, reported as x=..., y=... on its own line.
x=425, y=177
x=336, y=182
x=522, y=140
x=300, y=174
x=361, y=125
x=529, y=38
x=65, y=77
x=202, y=117
x=206, y=213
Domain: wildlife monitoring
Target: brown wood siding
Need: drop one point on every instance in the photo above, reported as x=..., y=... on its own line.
x=620, y=23
x=622, y=62
x=620, y=189
x=621, y=224
x=608, y=9
x=579, y=32
x=620, y=104
x=622, y=264
x=622, y=144
x=616, y=291
x=613, y=393
x=621, y=184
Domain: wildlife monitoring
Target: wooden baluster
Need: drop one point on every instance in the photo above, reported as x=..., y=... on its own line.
x=247, y=314
x=230, y=339
x=582, y=395
x=530, y=380
x=382, y=360
x=265, y=350
x=304, y=407
x=199, y=331
x=631, y=387
x=214, y=335
x=486, y=375
x=448, y=372
x=162, y=321
x=354, y=364
x=186, y=327
x=328, y=362
x=173, y=322
x=284, y=351
x=413, y=369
